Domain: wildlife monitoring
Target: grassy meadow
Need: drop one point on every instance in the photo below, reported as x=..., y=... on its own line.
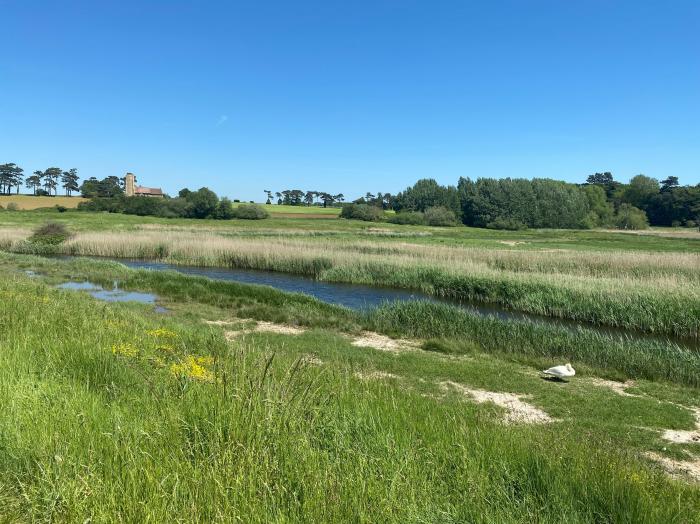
x=244, y=403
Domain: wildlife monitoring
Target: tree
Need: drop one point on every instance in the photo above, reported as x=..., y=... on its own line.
x=630, y=217
x=184, y=192
x=224, y=210
x=109, y=187
x=69, y=179
x=428, y=193
x=34, y=182
x=309, y=197
x=606, y=181
x=602, y=179
x=268, y=193
x=51, y=176
x=202, y=203
x=10, y=176
x=669, y=183
x=600, y=210
x=640, y=191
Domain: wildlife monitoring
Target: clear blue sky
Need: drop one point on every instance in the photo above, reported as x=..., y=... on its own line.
x=350, y=96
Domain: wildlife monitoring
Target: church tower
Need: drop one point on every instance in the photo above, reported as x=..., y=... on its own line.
x=130, y=184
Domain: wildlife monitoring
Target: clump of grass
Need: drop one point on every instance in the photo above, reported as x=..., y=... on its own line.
x=50, y=233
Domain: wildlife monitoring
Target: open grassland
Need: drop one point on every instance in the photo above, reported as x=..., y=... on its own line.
x=653, y=291
x=245, y=403
x=292, y=211
x=654, y=240
x=28, y=202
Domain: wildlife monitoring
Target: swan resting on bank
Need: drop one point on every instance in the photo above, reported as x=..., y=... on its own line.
x=560, y=372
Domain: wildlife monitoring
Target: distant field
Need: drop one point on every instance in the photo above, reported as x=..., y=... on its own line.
x=36, y=202
x=311, y=211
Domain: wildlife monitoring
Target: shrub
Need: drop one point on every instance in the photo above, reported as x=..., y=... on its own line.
x=12, y=206
x=362, y=212
x=224, y=210
x=51, y=233
x=61, y=209
x=412, y=218
x=440, y=216
x=250, y=212
x=630, y=217
x=509, y=224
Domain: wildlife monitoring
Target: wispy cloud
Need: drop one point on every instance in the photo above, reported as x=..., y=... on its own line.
x=222, y=120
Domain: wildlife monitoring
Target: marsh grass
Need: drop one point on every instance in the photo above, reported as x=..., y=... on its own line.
x=87, y=433
x=654, y=292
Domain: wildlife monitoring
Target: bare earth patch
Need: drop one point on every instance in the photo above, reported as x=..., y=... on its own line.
x=679, y=436
x=375, y=375
x=678, y=468
x=383, y=343
x=517, y=411
x=259, y=326
x=617, y=387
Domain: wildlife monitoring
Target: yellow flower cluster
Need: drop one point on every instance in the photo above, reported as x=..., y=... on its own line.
x=194, y=368
x=125, y=350
x=162, y=333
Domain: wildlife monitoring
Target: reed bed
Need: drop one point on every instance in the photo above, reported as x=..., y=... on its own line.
x=653, y=292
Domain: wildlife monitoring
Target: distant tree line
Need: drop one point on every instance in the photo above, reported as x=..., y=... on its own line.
x=297, y=197
x=44, y=183
x=108, y=195
x=512, y=203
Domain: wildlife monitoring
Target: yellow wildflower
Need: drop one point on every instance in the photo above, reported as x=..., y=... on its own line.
x=193, y=368
x=162, y=333
x=125, y=350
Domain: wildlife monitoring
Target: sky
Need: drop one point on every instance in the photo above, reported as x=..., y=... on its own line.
x=349, y=97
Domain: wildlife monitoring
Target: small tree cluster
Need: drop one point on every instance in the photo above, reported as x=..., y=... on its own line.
x=297, y=197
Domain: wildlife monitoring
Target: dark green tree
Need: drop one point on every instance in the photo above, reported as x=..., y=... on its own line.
x=69, y=181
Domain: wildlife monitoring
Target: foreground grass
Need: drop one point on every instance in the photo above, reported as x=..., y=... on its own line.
x=105, y=417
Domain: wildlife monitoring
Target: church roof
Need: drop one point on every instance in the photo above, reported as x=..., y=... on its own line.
x=140, y=190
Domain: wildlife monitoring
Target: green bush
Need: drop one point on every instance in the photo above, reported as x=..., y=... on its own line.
x=250, y=212
x=630, y=217
x=412, y=218
x=440, y=216
x=51, y=233
x=362, y=212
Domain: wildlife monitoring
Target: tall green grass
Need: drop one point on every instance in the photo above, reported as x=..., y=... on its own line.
x=87, y=434
x=634, y=358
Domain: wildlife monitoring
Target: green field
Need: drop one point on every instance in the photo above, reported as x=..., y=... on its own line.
x=275, y=209
x=245, y=403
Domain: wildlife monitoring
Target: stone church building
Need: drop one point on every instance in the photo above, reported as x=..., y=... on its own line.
x=131, y=189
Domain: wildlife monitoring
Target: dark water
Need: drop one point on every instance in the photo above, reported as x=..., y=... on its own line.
x=360, y=297
x=113, y=295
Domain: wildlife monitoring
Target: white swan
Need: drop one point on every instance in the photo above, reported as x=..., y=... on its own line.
x=560, y=372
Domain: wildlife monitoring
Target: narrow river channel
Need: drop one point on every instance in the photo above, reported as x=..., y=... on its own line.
x=361, y=297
